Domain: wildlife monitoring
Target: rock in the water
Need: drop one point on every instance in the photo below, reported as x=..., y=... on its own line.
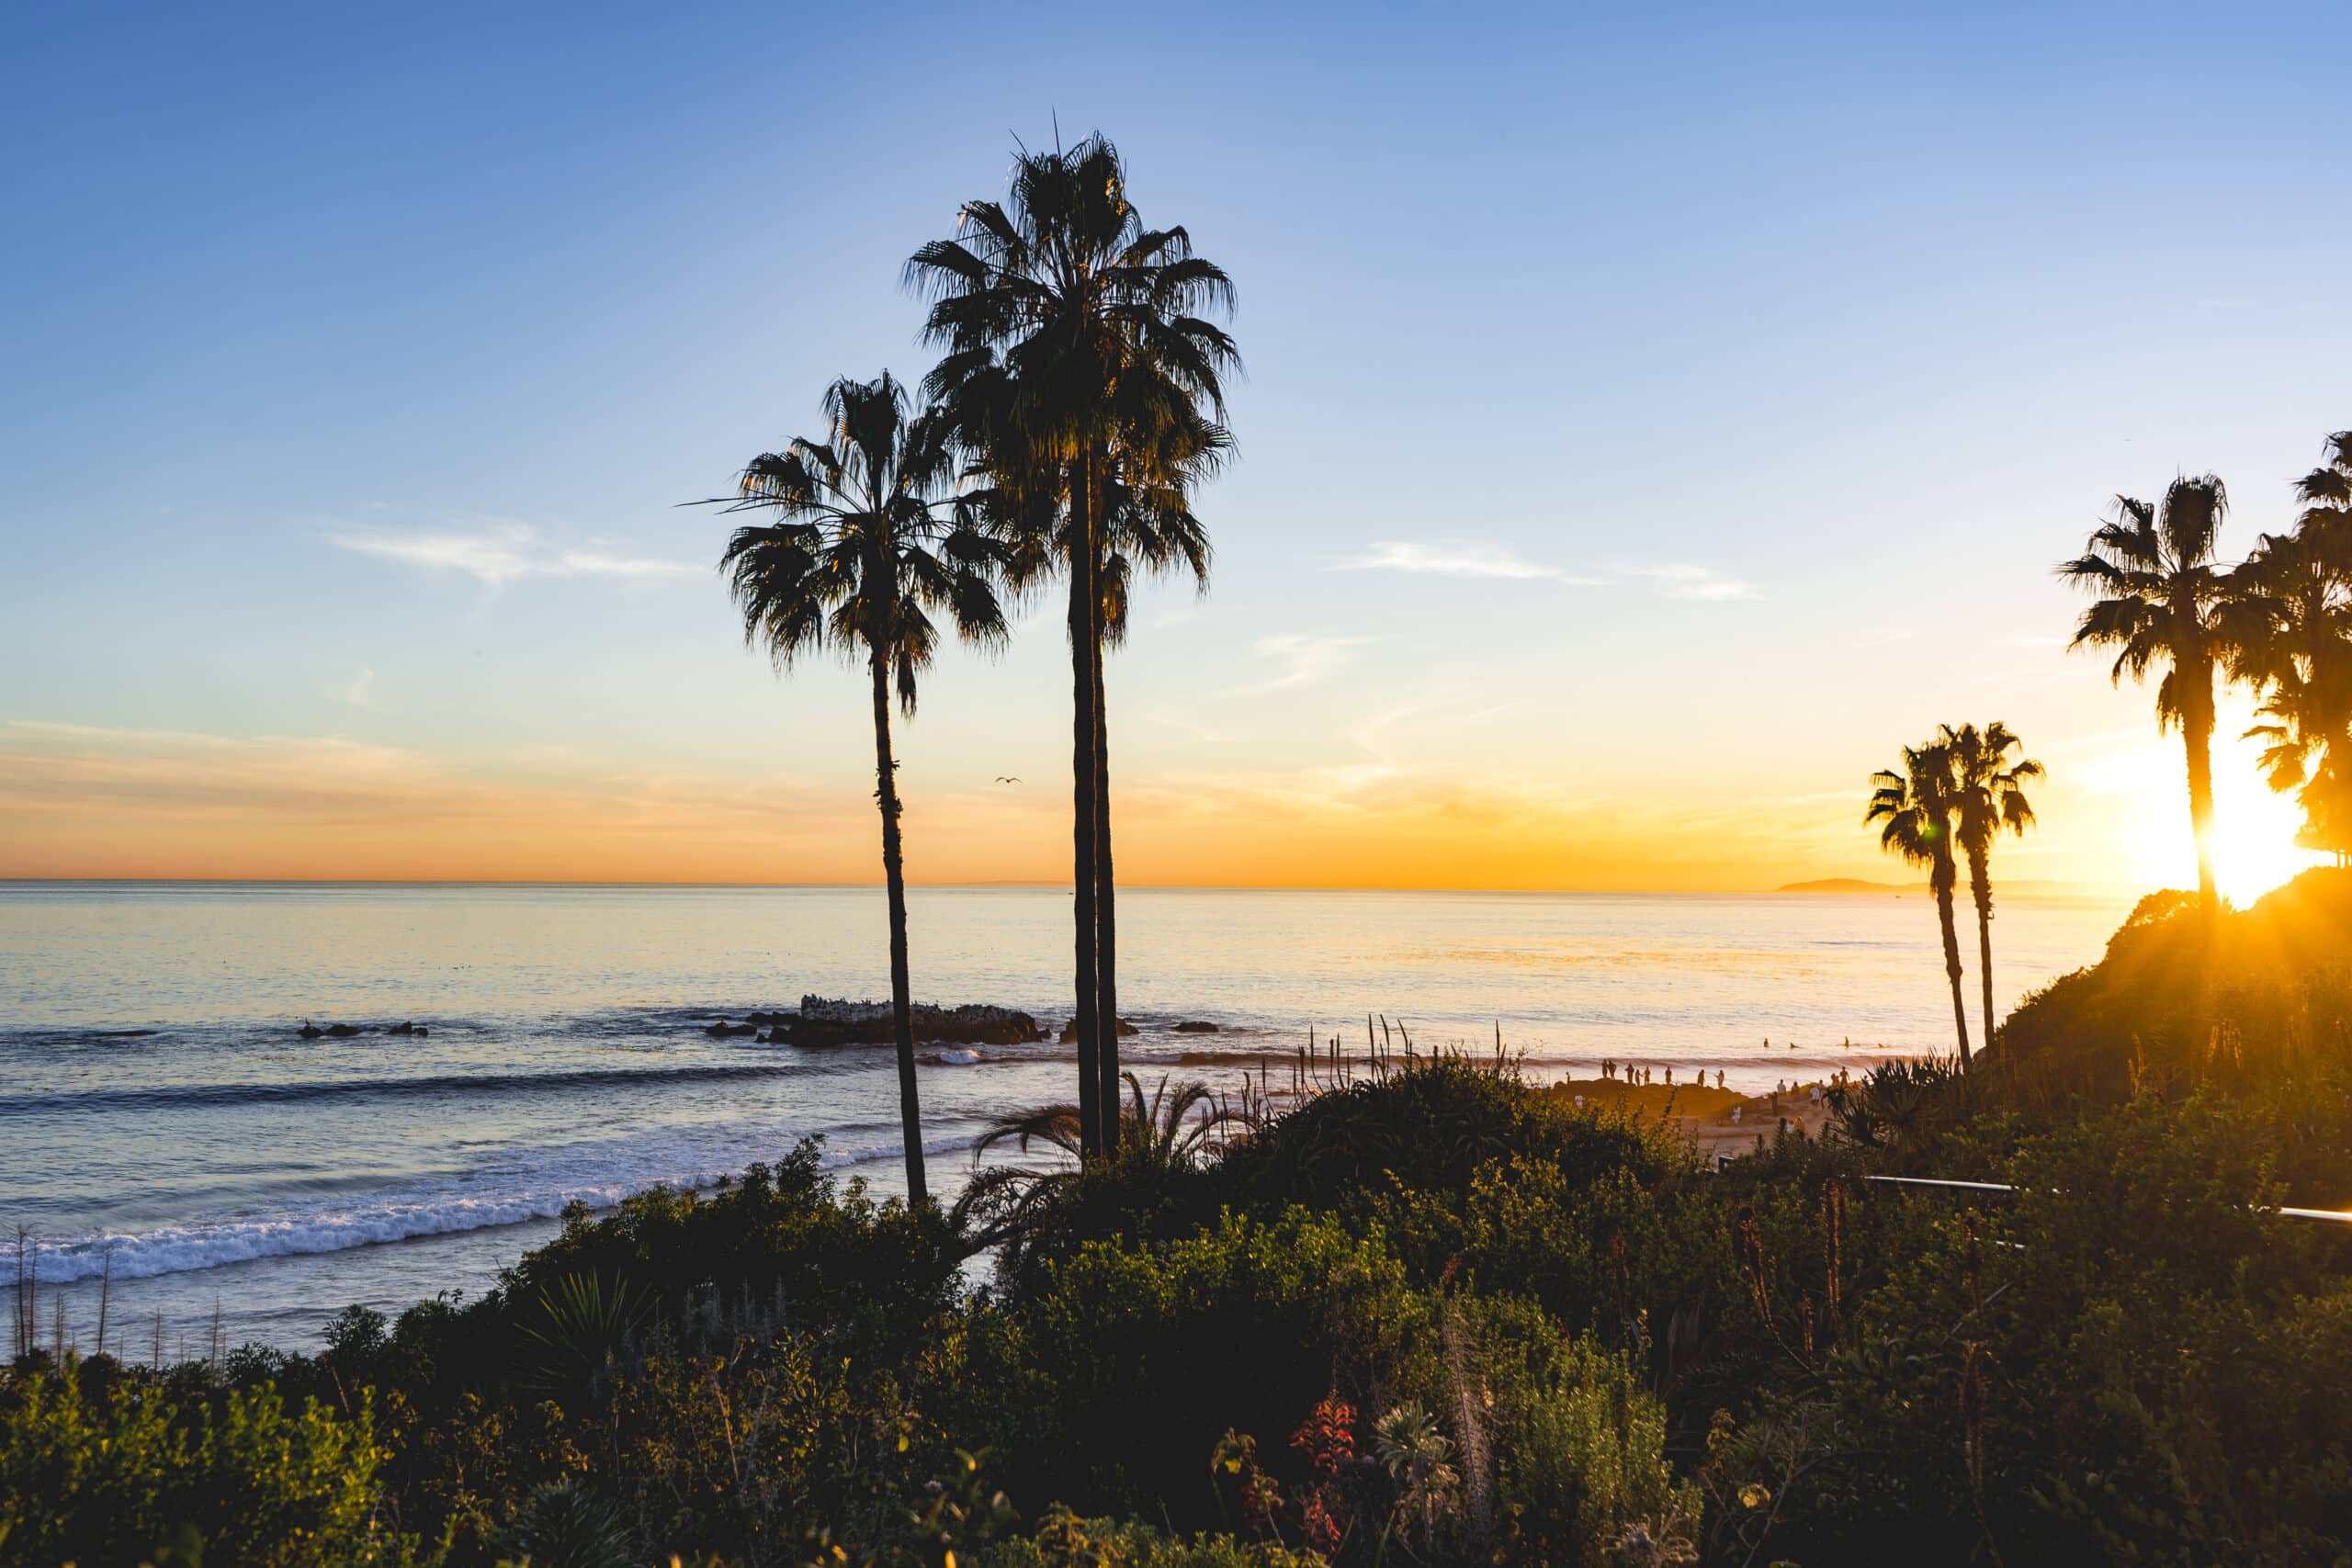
x=825, y=1020
x=1195, y=1026
x=341, y=1030
x=723, y=1030
x=404, y=1027
x=311, y=1031
x=1069, y=1031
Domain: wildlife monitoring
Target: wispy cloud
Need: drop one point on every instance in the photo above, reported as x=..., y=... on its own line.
x=1496, y=563
x=1185, y=724
x=359, y=692
x=1300, y=659
x=1452, y=559
x=500, y=553
x=1703, y=583
x=594, y=563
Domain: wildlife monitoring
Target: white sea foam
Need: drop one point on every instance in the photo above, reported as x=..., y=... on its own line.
x=183, y=1249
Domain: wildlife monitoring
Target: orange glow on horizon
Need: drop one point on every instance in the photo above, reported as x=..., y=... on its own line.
x=85, y=803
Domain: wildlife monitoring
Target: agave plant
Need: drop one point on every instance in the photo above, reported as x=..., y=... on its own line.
x=1173, y=1128
x=565, y=1525
x=1419, y=1458
x=582, y=1326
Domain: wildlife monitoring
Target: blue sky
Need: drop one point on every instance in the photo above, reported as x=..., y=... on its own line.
x=1652, y=419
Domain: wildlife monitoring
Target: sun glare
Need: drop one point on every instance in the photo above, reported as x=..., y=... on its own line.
x=2253, y=826
x=2254, y=843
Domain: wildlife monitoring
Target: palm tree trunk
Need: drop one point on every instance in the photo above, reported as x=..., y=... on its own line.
x=1106, y=917
x=1980, y=888
x=1943, y=880
x=1083, y=610
x=2196, y=732
x=902, y=1027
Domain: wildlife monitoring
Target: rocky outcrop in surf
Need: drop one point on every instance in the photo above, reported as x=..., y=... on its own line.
x=827, y=1020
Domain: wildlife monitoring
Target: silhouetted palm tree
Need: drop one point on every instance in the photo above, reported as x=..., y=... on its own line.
x=2290, y=619
x=1992, y=798
x=2326, y=490
x=869, y=543
x=1916, y=805
x=1078, y=361
x=2291, y=615
x=2162, y=597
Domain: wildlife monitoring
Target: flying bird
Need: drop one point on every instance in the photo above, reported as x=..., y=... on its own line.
x=1005, y=778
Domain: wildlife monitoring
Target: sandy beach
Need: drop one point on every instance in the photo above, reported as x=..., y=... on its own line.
x=1721, y=1120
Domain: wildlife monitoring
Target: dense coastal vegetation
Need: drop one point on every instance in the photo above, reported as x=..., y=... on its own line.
x=1432, y=1314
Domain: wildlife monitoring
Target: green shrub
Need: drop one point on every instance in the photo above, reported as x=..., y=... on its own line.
x=1576, y=1442
x=1428, y=1128
x=1065, y=1541
x=1133, y=1363
x=109, y=1478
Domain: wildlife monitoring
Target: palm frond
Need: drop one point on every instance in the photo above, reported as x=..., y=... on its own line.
x=1075, y=334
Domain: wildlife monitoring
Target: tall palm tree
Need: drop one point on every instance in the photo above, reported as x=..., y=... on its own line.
x=2291, y=626
x=868, y=543
x=1077, y=361
x=1992, y=798
x=2291, y=632
x=1915, y=807
x=2162, y=596
x=2326, y=490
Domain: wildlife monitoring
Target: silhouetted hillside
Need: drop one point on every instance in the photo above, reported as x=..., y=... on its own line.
x=2261, y=993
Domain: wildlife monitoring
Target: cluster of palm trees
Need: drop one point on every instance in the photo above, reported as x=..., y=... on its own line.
x=1077, y=407
x=2279, y=621
x=1954, y=794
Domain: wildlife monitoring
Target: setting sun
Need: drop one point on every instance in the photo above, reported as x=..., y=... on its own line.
x=2253, y=826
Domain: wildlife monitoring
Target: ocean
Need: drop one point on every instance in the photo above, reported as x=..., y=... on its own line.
x=162, y=1121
